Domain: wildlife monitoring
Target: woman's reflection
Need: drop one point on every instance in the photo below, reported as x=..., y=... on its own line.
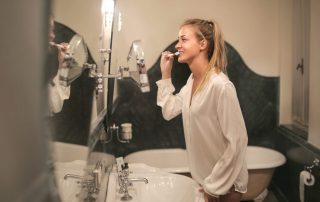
x=57, y=92
x=70, y=102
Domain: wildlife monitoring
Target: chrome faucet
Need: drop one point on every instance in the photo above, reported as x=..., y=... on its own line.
x=91, y=181
x=66, y=176
x=125, y=181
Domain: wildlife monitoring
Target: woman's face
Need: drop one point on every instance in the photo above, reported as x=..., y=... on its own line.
x=188, y=44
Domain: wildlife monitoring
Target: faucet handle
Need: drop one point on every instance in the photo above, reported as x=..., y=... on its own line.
x=120, y=163
x=125, y=166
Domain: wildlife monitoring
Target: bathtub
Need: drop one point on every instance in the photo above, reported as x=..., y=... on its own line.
x=261, y=164
x=66, y=152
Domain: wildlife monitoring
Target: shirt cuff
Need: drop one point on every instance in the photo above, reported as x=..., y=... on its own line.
x=164, y=82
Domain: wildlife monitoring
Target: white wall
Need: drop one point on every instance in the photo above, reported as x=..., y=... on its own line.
x=286, y=68
x=285, y=60
x=84, y=17
x=314, y=112
x=250, y=26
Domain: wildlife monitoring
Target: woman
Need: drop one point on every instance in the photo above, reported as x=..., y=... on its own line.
x=215, y=133
x=57, y=93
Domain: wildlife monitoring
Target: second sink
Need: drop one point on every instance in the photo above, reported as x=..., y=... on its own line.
x=161, y=187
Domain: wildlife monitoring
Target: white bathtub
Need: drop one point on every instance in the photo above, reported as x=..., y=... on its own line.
x=66, y=152
x=261, y=165
x=170, y=160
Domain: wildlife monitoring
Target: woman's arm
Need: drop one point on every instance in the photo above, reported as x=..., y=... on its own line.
x=171, y=104
x=57, y=93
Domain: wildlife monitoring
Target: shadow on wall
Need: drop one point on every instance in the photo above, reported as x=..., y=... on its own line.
x=258, y=97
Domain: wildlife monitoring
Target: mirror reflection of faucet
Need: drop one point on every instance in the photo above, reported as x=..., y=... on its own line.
x=124, y=136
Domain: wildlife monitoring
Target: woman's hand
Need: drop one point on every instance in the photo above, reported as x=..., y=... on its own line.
x=231, y=196
x=62, y=48
x=166, y=64
x=207, y=197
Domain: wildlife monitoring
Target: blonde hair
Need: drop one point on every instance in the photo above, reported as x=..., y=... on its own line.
x=210, y=31
x=217, y=56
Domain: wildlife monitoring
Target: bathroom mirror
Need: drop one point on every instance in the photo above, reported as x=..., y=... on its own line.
x=87, y=40
x=83, y=113
x=71, y=123
x=75, y=59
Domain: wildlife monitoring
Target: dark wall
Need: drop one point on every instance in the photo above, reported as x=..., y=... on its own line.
x=299, y=154
x=258, y=97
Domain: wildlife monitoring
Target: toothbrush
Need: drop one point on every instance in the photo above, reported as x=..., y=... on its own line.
x=175, y=54
x=57, y=45
x=171, y=54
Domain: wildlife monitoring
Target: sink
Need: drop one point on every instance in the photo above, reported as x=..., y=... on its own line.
x=69, y=189
x=69, y=159
x=161, y=187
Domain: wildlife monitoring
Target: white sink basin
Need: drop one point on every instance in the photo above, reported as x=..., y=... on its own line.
x=69, y=188
x=161, y=187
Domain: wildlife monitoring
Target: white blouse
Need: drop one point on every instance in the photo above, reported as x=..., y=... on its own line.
x=215, y=132
x=57, y=93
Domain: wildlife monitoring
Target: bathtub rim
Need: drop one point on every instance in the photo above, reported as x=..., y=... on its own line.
x=176, y=169
x=279, y=159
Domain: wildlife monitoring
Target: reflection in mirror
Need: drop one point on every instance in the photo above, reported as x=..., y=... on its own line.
x=136, y=62
x=125, y=102
x=84, y=113
x=75, y=58
x=71, y=123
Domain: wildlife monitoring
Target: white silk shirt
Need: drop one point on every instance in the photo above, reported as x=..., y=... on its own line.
x=57, y=93
x=215, y=132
